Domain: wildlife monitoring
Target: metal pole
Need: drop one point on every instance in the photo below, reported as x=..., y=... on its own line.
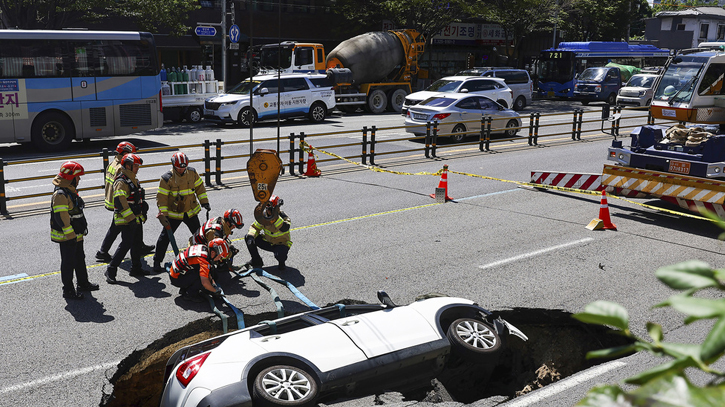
x=279, y=63
x=291, y=154
x=224, y=42
x=3, y=198
x=207, y=163
x=251, y=75
x=218, y=172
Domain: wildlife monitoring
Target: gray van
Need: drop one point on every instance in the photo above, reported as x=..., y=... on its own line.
x=516, y=79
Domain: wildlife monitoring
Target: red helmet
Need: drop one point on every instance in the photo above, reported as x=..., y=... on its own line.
x=125, y=147
x=220, y=246
x=131, y=159
x=275, y=201
x=234, y=217
x=70, y=170
x=179, y=160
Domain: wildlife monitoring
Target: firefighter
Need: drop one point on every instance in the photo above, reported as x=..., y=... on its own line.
x=177, y=196
x=191, y=269
x=220, y=227
x=129, y=213
x=67, y=227
x=103, y=254
x=274, y=238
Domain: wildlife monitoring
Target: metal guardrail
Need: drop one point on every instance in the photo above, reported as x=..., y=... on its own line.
x=214, y=158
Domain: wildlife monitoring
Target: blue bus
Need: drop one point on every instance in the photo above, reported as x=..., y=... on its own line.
x=65, y=85
x=558, y=67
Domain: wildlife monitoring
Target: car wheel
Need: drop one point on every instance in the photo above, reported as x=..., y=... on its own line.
x=284, y=386
x=52, y=131
x=246, y=117
x=377, y=102
x=511, y=129
x=503, y=103
x=458, y=133
x=193, y=115
x=317, y=112
x=520, y=103
x=612, y=99
x=473, y=338
x=396, y=100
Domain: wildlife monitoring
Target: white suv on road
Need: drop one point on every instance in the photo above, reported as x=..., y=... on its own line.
x=299, y=95
x=493, y=88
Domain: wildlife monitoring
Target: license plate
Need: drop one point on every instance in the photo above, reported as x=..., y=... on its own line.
x=207, y=111
x=550, y=94
x=679, y=167
x=418, y=116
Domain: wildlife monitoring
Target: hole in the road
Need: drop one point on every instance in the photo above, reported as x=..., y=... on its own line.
x=556, y=349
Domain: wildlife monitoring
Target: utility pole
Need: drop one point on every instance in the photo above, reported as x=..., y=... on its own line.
x=224, y=42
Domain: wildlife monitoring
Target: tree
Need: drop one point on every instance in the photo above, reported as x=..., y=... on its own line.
x=148, y=15
x=594, y=20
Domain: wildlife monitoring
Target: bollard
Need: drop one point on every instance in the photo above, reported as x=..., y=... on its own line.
x=427, y=140
x=105, y=157
x=650, y=118
x=531, y=128
x=291, y=154
x=489, y=123
x=207, y=163
x=301, y=154
x=579, y=125
x=372, y=145
x=481, y=136
x=537, y=117
x=364, y=157
x=3, y=198
x=573, y=125
x=434, y=139
x=219, y=161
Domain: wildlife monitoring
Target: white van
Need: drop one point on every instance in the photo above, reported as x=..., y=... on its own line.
x=300, y=95
x=516, y=79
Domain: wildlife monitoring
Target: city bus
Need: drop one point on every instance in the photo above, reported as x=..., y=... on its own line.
x=65, y=85
x=558, y=67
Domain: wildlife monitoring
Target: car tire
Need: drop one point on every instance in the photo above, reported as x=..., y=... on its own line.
x=612, y=99
x=52, y=131
x=472, y=338
x=317, y=112
x=511, y=129
x=396, y=100
x=503, y=103
x=193, y=115
x=457, y=134
x=246, y=117
x=520, y=103
x=377, y=102
x=283, y=385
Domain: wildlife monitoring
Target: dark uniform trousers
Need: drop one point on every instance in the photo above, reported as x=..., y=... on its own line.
x=72, y=257
x=162, y=244
x=131, y=239
x=280, y=250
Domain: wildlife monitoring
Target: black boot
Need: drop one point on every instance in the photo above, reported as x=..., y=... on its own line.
x=138, y=271
x=157, y=267
x=111, y=275
x=72, y=294
x=103, y=257
x=87, y=286
x=147, y=249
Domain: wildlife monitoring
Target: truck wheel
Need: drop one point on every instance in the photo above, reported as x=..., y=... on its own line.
x=193, y=115
x=396, y=99
x=612, y=99
x=246, y=117
x=52, y=131
x=377, y=102
x=317, y=112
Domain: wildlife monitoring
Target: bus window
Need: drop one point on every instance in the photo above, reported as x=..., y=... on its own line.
x=712, y=80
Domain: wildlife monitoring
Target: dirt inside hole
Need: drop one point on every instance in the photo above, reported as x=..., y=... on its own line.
x=556, y=349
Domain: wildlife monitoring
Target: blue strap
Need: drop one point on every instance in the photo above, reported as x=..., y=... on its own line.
x=256, y=273
x=292, y=288
x=216, y=311
x=237, y=312
x=275, y=297
x=272, y=326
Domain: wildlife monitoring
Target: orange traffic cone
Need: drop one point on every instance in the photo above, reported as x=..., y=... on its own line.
x=312, y=170
x=442, y=190
x=603, y=221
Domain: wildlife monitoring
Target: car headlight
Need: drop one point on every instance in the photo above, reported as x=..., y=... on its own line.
x=598, y=88
x=642, y=93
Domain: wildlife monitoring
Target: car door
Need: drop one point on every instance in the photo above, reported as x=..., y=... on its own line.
x=490, y=108
x=295, y=97
x=468, y=110
x=266, y=104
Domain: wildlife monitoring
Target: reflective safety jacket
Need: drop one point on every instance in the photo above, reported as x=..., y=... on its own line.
x=111, y=171
x=210, y=230
x=178, y=194
x=195, y=259
x=67, y=221
x=128, y=199
x=272, y=233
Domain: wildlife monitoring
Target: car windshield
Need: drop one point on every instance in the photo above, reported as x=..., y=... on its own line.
x=437, y=102
x=242, y=88
x=470, y=72
x=593, y=74
x=444, y=85
x=641, y=81
x=679, y=80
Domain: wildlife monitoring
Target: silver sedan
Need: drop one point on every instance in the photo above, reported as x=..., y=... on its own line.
x=460, y=114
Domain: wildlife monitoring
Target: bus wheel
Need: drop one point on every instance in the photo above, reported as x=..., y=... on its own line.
x=52, y=131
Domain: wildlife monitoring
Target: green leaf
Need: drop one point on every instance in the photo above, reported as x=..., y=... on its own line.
x=680, y=350
x=605, y=313
x=671, y=367
x=608, y=395
x=612, y=352
x=688, y=274
x=676, y=391
x=698, y=307
x=655, y=331
x=714, y=344
x=719, y=274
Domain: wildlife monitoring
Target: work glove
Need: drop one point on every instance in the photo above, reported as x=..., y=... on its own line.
x=249, y=240
x=285, y=227
x=217, y=294
x=206, y=206
x=233, y=250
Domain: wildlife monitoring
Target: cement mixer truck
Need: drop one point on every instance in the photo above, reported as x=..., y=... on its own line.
x=372, y=70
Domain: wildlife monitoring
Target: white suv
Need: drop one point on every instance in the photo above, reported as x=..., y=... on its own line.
x=299, y=95
x=494, y=88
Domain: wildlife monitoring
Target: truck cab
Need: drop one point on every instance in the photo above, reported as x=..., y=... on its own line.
x=293, y=57
x=598, y=84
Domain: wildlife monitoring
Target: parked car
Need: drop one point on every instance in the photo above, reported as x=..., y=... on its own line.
x=638, y=91
x=301, y=95
x=459, y=114
x=494, y=88
x=517, y=79
x=334, y=351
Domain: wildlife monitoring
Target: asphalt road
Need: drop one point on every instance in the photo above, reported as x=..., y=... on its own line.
x=356, y=231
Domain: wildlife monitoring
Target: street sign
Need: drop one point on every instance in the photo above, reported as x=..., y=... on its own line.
x=234, y=33
x=233, y=46
x=205, y=31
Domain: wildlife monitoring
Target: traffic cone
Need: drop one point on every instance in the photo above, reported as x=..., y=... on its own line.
x=441, y=193
x=603, y=221
x=312, y=170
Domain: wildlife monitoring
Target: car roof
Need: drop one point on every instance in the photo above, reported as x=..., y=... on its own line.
x=470, y=78
x=452, y=95
x=287, y=75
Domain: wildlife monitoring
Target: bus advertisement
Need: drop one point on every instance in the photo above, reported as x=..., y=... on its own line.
x=65, y=85
x=558, y=67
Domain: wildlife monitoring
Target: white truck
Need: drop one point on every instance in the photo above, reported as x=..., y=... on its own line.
x=184, y=100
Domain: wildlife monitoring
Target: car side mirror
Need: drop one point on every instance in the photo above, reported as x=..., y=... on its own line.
x=385, y=299
x=263, y=91
x=464, y=90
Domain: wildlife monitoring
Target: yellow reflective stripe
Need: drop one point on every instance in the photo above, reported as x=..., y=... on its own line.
x=120, y=192
x=203, y=196
x=68, y=230
x=163, y=191
x=54, y=234
x=195, y=210
x=175, y=215
x=60, y=208
x=198, y=182
x=163, y=208
x=128, y=212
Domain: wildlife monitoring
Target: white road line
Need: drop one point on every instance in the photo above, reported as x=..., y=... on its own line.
x=55, y=378
x=536, y=253
x=558, y=387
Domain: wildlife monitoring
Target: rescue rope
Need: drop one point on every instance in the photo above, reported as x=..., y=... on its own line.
x=256, y=275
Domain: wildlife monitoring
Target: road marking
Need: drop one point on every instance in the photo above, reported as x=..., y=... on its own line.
x=13, y=277
x=61, y=376
x=558, y=387
x=535, y=253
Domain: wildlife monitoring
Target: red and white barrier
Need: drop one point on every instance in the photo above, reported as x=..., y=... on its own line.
x=587, y=182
